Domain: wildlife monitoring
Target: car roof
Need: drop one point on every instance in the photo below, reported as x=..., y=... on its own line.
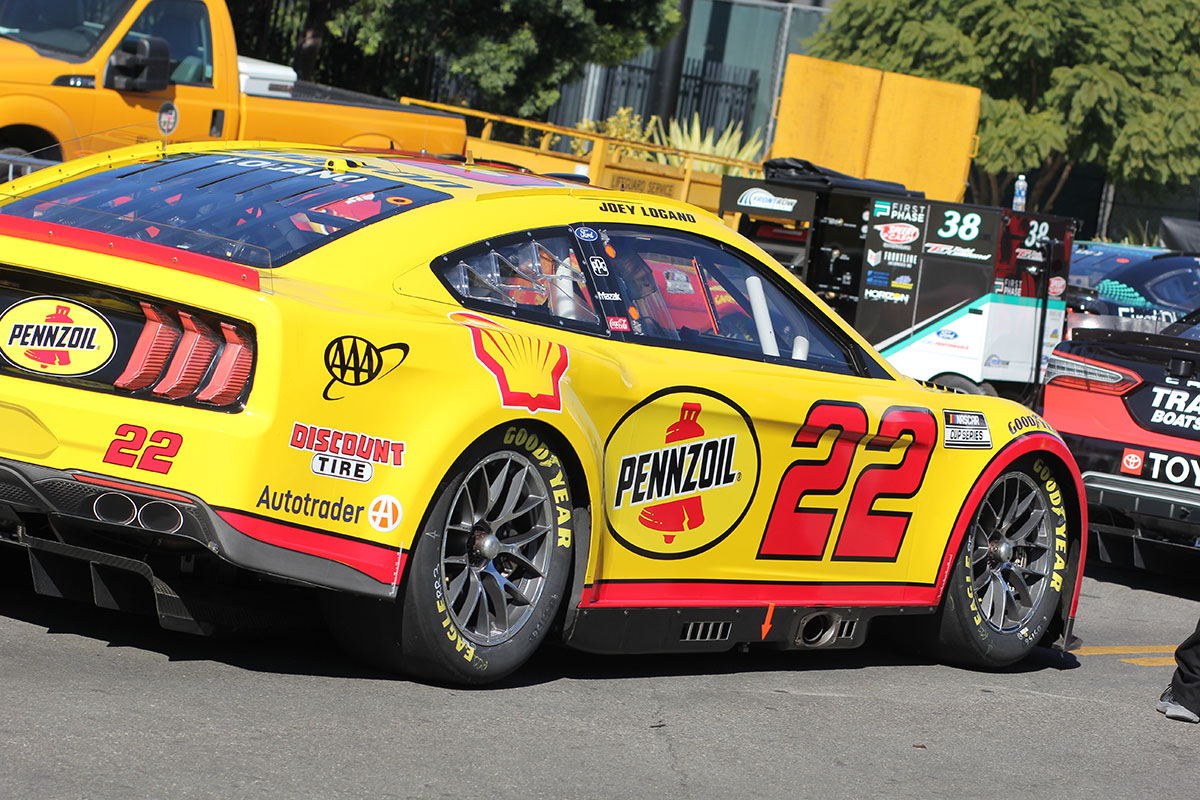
x=256, y=204
x=1091, y=262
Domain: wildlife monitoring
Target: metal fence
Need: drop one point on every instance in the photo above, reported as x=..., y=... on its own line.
x=14, y=166
x=719, y=93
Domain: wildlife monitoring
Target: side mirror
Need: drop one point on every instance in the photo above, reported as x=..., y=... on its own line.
x=140, y=64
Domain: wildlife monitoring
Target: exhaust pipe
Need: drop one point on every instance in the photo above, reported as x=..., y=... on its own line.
x=818, y=630
x=160, y=517
x=115, y=508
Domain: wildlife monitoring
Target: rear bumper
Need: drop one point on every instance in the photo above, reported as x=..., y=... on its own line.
x=1147, y=498
x=109, y=525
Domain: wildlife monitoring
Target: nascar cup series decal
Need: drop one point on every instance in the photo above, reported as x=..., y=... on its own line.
x=680, y=470
x=966, y=430
x=56, y=336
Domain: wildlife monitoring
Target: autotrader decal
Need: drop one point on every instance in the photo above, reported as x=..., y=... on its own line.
x=528, y=370
x=307, y=505
x=354, y=361
x=385, y=513
x=682, y=467
x=56, y=336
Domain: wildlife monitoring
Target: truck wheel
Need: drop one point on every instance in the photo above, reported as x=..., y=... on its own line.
x=964, y=384
x=1008, y=574
x=486, y=577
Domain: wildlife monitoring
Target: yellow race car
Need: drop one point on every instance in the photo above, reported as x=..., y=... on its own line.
x=474, y=409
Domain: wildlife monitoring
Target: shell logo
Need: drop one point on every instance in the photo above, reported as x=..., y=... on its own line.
x=56, y=336
x=680, y=471
x=898, y=232
x=528, y=370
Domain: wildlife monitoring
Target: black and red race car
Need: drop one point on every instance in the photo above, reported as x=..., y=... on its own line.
x=1127, y=403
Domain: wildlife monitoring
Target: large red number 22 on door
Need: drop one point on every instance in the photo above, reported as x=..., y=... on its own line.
x=866, y=534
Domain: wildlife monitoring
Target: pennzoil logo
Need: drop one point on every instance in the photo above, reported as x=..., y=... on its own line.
x=682, y=468
x=528, y=370
x=56, y=336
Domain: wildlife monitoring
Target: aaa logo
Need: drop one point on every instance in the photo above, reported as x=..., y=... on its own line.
x=354, y=361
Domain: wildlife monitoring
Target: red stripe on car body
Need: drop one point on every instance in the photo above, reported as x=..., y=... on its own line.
x=145, y=252
x=384, y=564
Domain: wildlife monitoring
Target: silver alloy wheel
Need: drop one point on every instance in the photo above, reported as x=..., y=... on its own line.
x=496, y=547
x=1011, y=551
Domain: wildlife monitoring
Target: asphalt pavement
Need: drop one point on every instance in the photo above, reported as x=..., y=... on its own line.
x=98, y=705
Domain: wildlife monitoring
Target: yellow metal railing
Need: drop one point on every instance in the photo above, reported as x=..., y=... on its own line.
x=606, y=150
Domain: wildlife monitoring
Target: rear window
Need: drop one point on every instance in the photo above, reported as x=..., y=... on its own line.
x=255, y=209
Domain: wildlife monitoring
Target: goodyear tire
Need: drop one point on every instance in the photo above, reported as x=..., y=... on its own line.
x=486, y=577
x=965, y=384
x=1008, y=576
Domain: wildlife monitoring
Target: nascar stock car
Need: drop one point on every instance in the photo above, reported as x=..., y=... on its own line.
x=474, y=409
x=1127, y=402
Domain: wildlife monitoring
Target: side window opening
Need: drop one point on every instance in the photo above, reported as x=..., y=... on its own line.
x=185, y=27
x=535, y=274
x=681, y=289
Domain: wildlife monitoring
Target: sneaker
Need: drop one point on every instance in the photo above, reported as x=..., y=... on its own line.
x=1167, y=704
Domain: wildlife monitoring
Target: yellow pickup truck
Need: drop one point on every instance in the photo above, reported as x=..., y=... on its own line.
x=78, y=77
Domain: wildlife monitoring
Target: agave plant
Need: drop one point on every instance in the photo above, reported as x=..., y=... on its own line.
x=693, y=139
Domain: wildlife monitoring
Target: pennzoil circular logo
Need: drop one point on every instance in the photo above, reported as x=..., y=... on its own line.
x=680, y=471
x=56, y=336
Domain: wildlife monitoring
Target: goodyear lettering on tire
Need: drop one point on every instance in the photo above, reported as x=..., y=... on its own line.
x=1046, y=476
x=523, y=439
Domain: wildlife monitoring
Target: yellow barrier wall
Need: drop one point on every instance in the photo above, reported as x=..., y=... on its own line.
x=881, y=125
x=826, y=113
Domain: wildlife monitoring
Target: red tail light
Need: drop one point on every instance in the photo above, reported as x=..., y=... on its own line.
x=193, y=356
x=151, y=352
x=1076, y=372
x=176, y=350
x=232, y=370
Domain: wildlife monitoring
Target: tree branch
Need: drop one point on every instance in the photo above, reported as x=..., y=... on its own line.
x=1062, y=179
x=1046, y=174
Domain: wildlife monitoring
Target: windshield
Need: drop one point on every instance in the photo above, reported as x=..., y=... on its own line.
x=76, y=27
x=1091, y=262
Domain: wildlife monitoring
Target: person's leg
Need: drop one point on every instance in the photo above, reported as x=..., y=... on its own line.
x=1181, y=700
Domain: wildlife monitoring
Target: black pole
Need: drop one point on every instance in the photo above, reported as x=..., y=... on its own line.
x=664, y=91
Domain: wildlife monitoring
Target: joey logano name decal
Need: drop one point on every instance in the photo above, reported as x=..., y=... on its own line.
x=56, y=336
x=349, y=455
x=682, y=467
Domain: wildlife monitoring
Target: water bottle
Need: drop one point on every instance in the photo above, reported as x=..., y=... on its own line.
x=1019, y=190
